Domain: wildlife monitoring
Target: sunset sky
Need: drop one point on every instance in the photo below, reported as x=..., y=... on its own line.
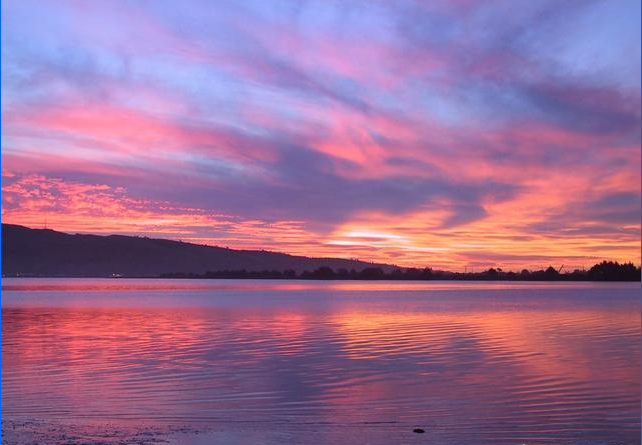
x=449, y=134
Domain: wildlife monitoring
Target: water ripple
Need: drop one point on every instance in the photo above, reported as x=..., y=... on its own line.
x=473, y=364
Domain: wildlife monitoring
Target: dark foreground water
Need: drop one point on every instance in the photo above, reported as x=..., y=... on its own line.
x=327, y=362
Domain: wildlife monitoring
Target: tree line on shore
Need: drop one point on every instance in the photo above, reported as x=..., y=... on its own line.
x=604, y=271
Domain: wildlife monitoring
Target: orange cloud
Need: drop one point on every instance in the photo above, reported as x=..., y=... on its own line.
x=417, y=239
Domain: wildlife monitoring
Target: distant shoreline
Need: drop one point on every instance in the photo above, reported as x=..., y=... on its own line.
x=605, y=271
x=46, y=253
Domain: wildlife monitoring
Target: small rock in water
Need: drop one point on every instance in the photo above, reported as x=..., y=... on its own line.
x=418, y=431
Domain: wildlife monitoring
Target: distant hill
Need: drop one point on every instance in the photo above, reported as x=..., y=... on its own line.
x=42, y=252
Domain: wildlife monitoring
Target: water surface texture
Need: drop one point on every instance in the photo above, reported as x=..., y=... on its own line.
x=471, y=363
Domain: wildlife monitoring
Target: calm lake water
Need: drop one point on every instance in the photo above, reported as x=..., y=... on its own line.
x=330, y=362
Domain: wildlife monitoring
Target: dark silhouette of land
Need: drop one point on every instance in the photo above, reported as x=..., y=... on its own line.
x=604, y=271
x=47, y=253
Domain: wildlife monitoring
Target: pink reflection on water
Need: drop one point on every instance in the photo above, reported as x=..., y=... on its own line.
x=490, y=368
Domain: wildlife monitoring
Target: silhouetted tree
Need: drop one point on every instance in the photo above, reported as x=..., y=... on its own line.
x=551, y=273
x=604, y=271
x=323, y=273
x=614, y=271
x=342, y=274
x=372, y=273
x=412, y=273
